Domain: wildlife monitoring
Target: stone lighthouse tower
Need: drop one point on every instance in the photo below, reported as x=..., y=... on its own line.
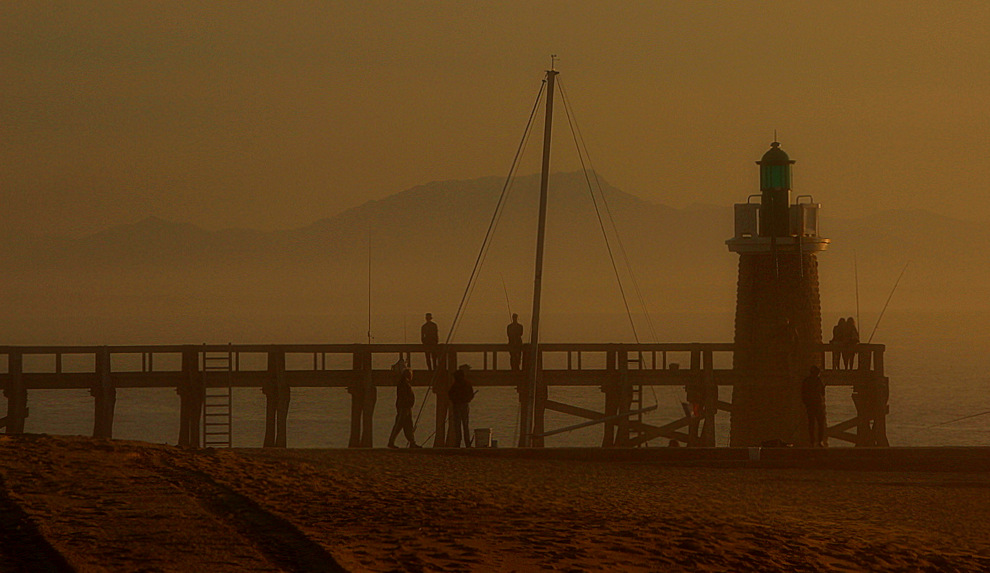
x=778, y=309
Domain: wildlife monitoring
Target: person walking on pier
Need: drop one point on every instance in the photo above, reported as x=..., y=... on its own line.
x=461, y=393
x=813, y=396
x=404, y=401
x=515, y=333
x=429, y=335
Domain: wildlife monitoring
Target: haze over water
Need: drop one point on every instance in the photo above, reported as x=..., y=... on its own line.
x=935, y=376
x=245, y=119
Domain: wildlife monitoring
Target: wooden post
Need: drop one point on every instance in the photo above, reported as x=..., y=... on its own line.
x=540, y=411
x=16, y=393
x=441, y=383
x=357, y=404
x=867, y=398
x=363, y=398
x=277, y=394
x=883, y=397
x=368, y=406
x=610, y=386
x=711, y=401
x=861, y=399
x=270, y=389
x=611, y=389
x=105, y=394
x=448, y=364
x=190, y=390
x=625, y=398
x=522, y=390
x=282, y=410
x=697, y=394
x=880, y=422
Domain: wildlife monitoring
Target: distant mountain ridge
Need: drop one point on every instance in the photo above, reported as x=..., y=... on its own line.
x=423, y=242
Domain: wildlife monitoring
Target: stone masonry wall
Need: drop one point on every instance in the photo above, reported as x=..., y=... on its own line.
x=778, y=324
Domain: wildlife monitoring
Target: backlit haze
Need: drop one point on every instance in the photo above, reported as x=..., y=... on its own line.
x=346, y=133
x=291, y=172
x=270, y=115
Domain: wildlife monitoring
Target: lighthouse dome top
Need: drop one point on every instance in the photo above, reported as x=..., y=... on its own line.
x=775, y=156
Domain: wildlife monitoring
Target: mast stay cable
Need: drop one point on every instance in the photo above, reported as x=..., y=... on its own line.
x=611, y=219
x=583, y=147
x=598, y=213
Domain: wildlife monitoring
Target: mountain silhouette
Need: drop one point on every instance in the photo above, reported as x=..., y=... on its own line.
x=422, y=244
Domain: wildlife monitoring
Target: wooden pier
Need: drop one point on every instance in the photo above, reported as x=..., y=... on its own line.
x=203, y=374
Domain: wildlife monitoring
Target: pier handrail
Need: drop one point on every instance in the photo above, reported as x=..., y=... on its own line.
x=870, y=356
x=378, y=348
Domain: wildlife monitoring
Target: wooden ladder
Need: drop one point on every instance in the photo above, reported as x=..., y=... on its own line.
x=218, y=401
x=636, y=403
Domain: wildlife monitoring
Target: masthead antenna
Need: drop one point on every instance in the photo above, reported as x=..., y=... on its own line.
x=553, y=62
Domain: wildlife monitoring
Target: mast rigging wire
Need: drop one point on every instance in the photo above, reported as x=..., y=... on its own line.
x=582, y=148
x=598, y=213
x=611, y=219
x=497, y=216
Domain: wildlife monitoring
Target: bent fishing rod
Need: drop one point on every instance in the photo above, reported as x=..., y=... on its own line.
x=960, y=419
x=890, y=296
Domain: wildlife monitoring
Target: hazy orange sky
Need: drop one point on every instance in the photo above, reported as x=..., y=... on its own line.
x=273, y=114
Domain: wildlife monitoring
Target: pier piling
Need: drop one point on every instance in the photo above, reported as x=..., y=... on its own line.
x=105, y=395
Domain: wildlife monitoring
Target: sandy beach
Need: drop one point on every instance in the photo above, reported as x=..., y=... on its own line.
x=89, y=505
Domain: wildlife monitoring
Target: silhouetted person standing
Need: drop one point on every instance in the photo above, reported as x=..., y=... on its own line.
x=837, y=342
x=515, y=333
x=813, y=396
x=851, y=341
x=404, y=401
x=429, y=335
x=461, y=393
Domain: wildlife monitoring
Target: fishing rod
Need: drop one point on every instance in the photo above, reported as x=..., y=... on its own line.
x=856, y=277
x=506, y=291
x=960, y=419
x=369, y=284
x=879, y=318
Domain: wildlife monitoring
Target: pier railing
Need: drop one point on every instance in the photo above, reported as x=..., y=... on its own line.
x=618, y=369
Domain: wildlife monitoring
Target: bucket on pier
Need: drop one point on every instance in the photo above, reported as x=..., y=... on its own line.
x=482, y=437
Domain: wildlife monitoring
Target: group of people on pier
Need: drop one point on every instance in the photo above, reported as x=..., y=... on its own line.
x=845, y=337
x=460, y=393
x=429, y=336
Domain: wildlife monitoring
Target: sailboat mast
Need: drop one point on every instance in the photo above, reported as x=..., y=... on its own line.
x=369, y=284
x=526, y=433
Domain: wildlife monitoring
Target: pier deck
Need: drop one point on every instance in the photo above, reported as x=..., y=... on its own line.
x=619, y=370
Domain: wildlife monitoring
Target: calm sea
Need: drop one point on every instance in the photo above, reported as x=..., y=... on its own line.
x=938, y=366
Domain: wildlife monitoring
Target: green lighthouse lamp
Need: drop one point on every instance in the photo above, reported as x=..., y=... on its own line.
x=775, y=192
